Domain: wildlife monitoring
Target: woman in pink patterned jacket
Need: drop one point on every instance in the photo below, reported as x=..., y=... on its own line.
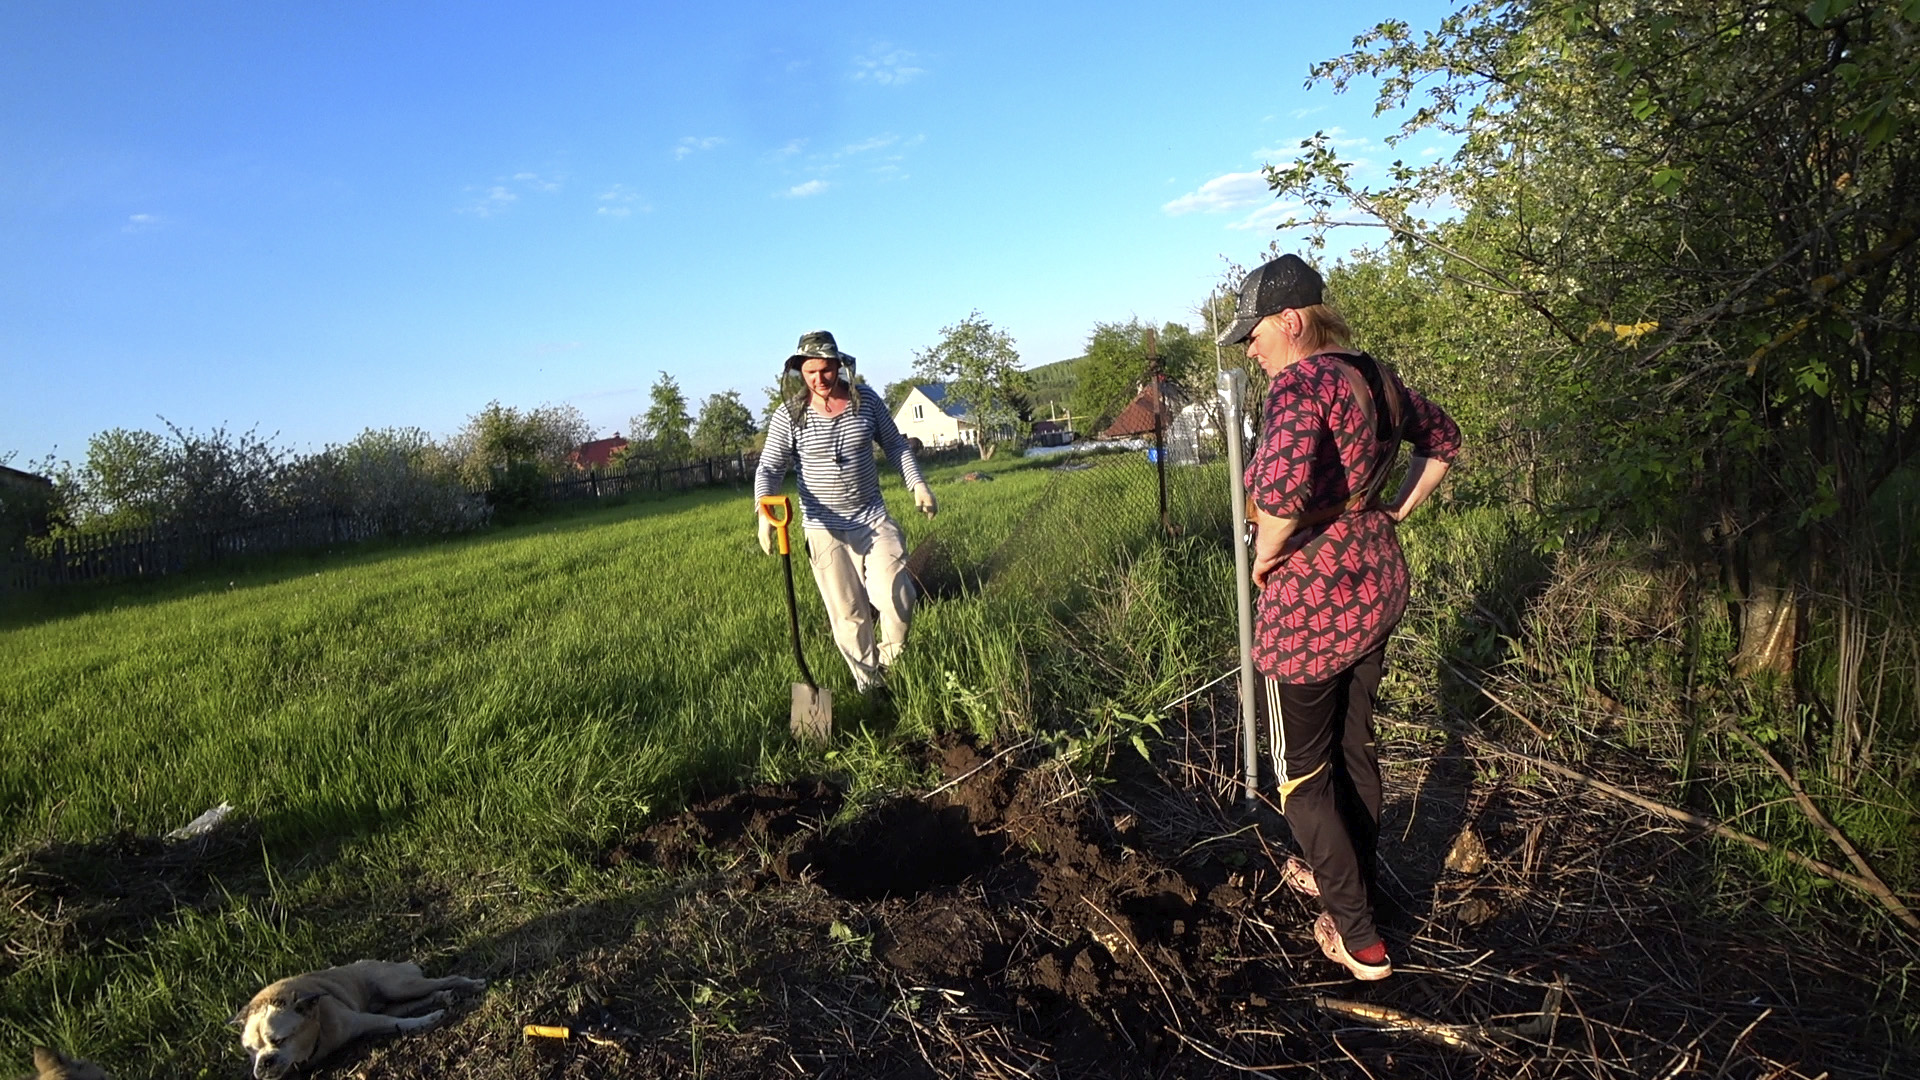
x=1331, y=580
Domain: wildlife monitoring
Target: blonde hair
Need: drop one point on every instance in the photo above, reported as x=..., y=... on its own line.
x=1322, y=328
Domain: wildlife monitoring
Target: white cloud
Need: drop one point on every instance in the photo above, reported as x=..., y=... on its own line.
x=495, y=198
x=139, y=223
x=885, y=65
x=495, y=201
x=693, y=144
x=535, y=182
x=801, y=191
x=878, y=142
x=621, y=201
x=1269, y=216
x=1301, y=114
x=1232, y=191
x=791, y=148
x=1338, y=138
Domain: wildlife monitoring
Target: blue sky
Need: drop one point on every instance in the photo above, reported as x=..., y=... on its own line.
x=314, y=219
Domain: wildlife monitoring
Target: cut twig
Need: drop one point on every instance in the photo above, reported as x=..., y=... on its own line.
x=1491, y=696
x=1872, y=887
x=1875, y=885
x=1452, y=1036
x=1022, y=744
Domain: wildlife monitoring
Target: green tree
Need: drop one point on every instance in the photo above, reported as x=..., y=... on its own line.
x=896, y=392
x=981, y=368
x=660, y=435
x=501, y=437
x=1707, y=212
x=133, y=479
x=122, y=482
x=1117, y=363
x=725, y=427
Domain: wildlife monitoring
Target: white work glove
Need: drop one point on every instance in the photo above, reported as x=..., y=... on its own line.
x=769, y=533
x=923, y=499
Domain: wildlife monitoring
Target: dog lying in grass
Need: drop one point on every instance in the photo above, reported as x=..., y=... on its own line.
x=54, y=1065
x=304, y=1018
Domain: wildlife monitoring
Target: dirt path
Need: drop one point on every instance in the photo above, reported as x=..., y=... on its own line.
x=1019, y=924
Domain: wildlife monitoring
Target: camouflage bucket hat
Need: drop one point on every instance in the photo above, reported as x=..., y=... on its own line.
x=817, y=345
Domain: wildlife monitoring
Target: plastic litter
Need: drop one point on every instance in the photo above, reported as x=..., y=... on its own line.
x=203, y=824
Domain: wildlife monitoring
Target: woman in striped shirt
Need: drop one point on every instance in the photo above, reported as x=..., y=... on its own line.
x=826, y=434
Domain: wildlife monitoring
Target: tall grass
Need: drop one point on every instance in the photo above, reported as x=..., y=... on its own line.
x=434, y=743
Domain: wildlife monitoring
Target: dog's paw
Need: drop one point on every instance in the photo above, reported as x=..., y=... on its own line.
x=421, y=1023
x=474, y=985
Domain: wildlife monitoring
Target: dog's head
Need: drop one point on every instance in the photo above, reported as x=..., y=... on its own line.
x=278, y=1033
x=54, y=1065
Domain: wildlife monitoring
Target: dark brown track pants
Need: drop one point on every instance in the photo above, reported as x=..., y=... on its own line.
x=1321, y=734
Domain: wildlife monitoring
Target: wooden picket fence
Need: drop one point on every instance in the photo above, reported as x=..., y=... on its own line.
x=149, y=552
x=638, y=478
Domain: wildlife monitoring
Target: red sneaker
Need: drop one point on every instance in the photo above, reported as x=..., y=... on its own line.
x=1328, y=935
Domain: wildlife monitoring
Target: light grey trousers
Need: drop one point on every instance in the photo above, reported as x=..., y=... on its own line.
x=861, y=571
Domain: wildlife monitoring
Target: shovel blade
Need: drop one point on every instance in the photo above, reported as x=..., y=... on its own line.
x=812, y=717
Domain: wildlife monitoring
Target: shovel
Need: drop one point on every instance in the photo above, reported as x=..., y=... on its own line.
x=812, y=715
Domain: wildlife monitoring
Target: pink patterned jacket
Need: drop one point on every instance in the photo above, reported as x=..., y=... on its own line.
x=1344, y=588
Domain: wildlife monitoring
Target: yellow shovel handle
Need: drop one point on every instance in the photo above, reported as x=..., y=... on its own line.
x=778, y=511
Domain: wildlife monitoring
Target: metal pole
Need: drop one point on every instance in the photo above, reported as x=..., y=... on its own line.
x=1232, y=386
x=1160, y=447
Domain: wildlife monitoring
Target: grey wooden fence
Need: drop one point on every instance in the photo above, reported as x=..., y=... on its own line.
x=122, y=554
x=167, y=549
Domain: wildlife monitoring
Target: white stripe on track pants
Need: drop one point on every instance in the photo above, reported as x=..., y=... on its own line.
x=861, y=571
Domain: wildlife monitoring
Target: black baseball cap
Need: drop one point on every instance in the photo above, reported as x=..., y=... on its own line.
x=1285, y=282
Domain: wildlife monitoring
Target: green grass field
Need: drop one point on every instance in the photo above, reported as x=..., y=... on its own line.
x=431, y=743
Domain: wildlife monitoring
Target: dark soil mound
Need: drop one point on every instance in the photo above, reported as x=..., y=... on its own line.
x=761, y=816
x=1014, y=922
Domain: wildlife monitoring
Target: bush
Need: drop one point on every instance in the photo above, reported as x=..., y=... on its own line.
x=519, y=488
x=397, y=478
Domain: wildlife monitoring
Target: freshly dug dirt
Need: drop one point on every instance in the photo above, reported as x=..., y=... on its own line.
x=1016, y=923
x=759, y=817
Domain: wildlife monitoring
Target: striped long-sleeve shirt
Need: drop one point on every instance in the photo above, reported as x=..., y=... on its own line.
x=839, y=481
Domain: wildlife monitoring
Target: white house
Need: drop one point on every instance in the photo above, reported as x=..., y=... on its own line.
x=930, y=415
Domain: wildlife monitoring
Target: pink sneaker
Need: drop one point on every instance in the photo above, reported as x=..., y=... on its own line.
x=1328, y=935
x=1298, y=876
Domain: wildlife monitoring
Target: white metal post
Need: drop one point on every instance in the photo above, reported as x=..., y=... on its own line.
x=1232, y=388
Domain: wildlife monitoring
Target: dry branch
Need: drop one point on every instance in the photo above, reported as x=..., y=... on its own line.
x=1453, y=1036
x=1872, y=886
x=1875, y=885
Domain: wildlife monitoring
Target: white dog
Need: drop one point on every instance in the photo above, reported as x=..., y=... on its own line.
x=304, y=1018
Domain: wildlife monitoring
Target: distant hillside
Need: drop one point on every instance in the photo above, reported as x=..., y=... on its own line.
x=1053, y=385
